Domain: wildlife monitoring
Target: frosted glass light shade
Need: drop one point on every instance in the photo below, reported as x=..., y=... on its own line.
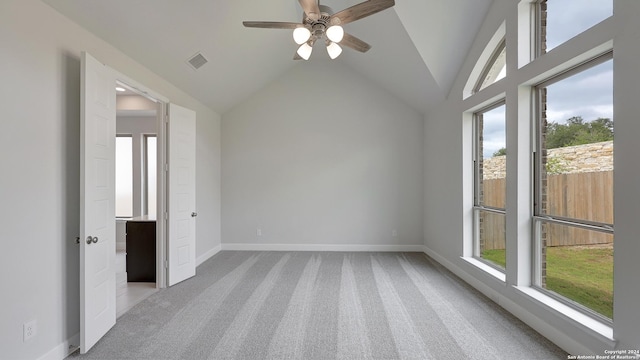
x=334, y=50
x=301, y=35
x=335, y=33
x=305, y=51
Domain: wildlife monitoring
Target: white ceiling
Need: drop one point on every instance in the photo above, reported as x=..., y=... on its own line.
x=417, y=47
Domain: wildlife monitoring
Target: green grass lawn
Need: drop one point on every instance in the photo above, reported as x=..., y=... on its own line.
x=581, y=273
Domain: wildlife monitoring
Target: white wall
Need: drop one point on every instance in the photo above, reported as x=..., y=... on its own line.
x=39, y=185
x=136, y=125
x=208, y=183
x=322, y=159
x=447, y=214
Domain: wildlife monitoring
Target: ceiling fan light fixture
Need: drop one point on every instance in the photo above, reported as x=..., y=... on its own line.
x=301, y=35
x=334, y=50
x=319, y=22
x=335, y=33
x=305, y=51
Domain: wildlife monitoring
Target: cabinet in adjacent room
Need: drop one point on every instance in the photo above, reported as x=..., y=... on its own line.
x=141, y=249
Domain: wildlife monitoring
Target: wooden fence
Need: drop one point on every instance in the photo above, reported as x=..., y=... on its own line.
x=586, y=196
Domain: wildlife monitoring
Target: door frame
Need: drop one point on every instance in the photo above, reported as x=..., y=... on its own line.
x=161, y=169
x=162, y=195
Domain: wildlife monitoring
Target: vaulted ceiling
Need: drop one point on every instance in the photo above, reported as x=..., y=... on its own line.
x=417, y=49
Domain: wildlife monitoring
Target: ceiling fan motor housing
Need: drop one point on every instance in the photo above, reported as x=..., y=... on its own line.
x=319, y=27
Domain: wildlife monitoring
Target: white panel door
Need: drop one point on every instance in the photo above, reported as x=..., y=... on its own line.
x=97, y=201
x=182, y=194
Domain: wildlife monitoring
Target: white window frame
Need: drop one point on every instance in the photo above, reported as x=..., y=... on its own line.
x=477, y=184
x=538, y=217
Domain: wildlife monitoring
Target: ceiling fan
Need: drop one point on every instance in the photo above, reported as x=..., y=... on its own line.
x=320, y=22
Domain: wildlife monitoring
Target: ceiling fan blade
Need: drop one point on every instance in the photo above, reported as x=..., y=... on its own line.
x=363, y=9
x=353, y=42
x=310, y=8
x=271, y=24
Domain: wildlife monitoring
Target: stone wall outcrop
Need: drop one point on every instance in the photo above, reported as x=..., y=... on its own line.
x=566, y=160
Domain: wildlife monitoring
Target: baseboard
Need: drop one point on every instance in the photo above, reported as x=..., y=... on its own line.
x=323, y=247
x=204, y=257
x=558, y=337
x=63, y=350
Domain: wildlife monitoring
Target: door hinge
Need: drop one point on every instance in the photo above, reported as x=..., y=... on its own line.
x=166, y=167
x=166, y=216
x=166, y=264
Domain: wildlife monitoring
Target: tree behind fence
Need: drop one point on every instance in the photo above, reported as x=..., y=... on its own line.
x=586, y=196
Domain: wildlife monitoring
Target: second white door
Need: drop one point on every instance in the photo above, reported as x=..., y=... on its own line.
x=181, y=204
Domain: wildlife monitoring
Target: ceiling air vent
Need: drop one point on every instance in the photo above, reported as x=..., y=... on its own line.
x=197, y=61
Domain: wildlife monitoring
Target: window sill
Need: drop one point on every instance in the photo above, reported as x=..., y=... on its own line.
x=486, y=268
x=604, y=330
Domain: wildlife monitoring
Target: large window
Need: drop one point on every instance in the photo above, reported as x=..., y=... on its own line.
x=124, y=176
x=490, y=185
x=558, y=230
x=573, y=206
x=561, y=20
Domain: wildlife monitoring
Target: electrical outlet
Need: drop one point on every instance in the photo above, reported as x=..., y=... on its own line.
x=394, y=233
x=29, y=330
x=259, y=232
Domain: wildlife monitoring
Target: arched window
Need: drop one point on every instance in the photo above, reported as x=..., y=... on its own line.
x=495, y=69
x=491, y=65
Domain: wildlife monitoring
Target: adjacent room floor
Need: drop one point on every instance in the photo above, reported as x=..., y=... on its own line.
x=128, y=294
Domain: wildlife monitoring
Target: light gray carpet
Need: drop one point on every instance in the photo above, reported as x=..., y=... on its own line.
x=318, y=305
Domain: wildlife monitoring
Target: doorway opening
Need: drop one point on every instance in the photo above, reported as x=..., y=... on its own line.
x=138, y=118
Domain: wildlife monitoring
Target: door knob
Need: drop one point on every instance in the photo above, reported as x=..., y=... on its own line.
x=194, y=214
x=91, y=240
